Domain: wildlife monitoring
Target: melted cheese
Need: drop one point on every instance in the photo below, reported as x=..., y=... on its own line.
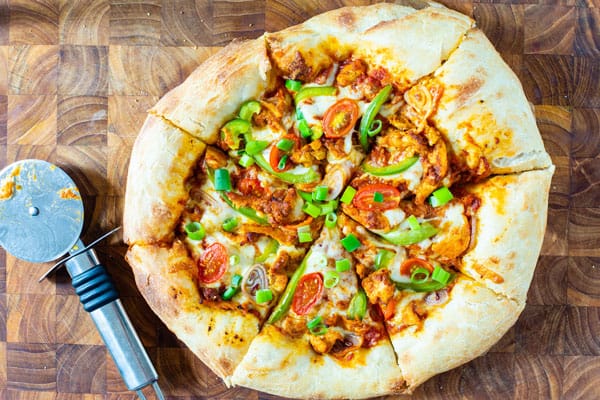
x=394, y=216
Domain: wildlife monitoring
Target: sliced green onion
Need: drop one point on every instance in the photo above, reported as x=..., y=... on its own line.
x=254, y=147
x=351, y=242
x=429, y=286
x=231, y=131
x=378, y=197
x=264, y=296
x=358, y=305
x=383, y=258
x=342, y=265
x=327, y=208
x=317, y=132
x=306, y=196
x=282, y=162
x=222, y=180
x=375, y=128
x=270, y=248
x=390, y=169
x=304, y=129
x=285, y=144
x=248, y=109
x=348, y=195
x=440, y=275
x=419, y=275
x=246, y=160
x=311, y=209
x=293, y=85
x=234, y=259
x=413, y=222
x=331, y=220
x=230, y=224
x=304, y=234
x=308, y=176
x=331, y=279
x=299, y=115
x=411, y=236
x=372, y=110
x=320, y=193
x=313, y=323
x=229, y=293
x=440, y=197
x=195, y=231
x=313, y=91
x=236, y=280
x=319, y=330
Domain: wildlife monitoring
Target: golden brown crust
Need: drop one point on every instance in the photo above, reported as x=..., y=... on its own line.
x=213, y=93
x=161, y=160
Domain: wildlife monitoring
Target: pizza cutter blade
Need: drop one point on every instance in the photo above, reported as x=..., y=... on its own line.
x=41, y=218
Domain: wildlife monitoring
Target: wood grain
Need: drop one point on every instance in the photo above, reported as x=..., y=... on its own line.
x=76, y=80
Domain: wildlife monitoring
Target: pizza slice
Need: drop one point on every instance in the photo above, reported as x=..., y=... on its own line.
x=323, y=339
x=437, y=318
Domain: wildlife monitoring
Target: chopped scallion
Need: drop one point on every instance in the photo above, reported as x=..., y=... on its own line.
x=234, y=259
x=254, y=147
x=230, y=224
x=236, y=280
x=229, y=293
x=331, y=220
x=320, y=193
x=293, y=85
x=383, y=258
x=378, y=197
x=304, y=234
x=222, y=180
x=331, y=279
x=351, y=242
x=282, y=162
x=348, y=195
x=419, y=275
x=440, y=197
x=246, y=160
x=304, y=129
x=285, y=144
x=313, y=323
x=342, y=265
x=413, y=222
x=317, y=132
x=440, y=275
x=264, y=296
x=311, y=209
x=195, y=230
x=306, y=196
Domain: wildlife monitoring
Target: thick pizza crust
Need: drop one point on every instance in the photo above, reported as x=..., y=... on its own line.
x=473, y=319
x=288, y=367
x=483, y=110
x=219, y=338
x=162, y=159
x=510, y=226
x=371, y=33
x=214, y=92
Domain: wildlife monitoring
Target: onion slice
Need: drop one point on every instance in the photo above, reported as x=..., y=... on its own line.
x=254, y=280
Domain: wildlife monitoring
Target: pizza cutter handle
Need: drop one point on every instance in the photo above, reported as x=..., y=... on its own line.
x=99, y=297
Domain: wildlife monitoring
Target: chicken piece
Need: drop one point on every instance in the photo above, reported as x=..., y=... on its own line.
x=350, y=72
x=379, y=287
x=323, y=343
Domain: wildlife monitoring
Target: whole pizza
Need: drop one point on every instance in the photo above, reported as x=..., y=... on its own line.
x=344, y=208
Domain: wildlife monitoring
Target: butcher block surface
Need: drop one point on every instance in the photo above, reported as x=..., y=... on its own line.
x=76, y=78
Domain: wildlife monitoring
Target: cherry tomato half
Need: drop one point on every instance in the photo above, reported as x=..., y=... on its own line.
x=340, y=118
x=409, y=265
x=365, y=197
x=307, y=293
x=277, y=154
x=213, y=263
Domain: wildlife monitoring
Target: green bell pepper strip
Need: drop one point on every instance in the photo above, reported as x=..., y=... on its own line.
x=231, y=131
x=390, y=169
x=248, y=109
x=412, y=236
x=358, y=305
x=290, y=177
x=313, y=91
x=271, y=248
x=370, y=113
x=429, y=286
x=288, y=295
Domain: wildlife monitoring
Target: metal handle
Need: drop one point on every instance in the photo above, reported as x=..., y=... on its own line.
x=100, y=298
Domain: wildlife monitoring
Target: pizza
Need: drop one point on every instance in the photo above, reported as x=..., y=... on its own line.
x=344, y=208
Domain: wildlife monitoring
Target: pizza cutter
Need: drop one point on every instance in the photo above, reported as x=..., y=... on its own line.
x=41, y=218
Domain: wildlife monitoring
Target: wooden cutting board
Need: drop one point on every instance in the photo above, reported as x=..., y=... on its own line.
x=75, y=80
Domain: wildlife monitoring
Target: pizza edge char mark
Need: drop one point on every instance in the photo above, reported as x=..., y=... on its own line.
x=468, y=118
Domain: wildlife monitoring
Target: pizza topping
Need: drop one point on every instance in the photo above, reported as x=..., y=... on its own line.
x=230, y=224
x=254, y=147
x=314, y=91
x=378, y=286
x=304, y=175
x=390, y=169
x=436, y=298
x=351, y=243
x=288, y=295
x=248, y=109
x=246, y=161
x=438, y=279
x=348, y=195
x=358, y=305
x=254, y=281
x=304, y=234
x=440, y=197
x=236, y=281
x=342, y=265
x=412, y=264
x=331, y=220
x=293, y=85
x=383, y=258
x=324, y=343
x=350, y=72
x=365, y=197
x=270, y=248
x=232, y=130
x=404, y=237
x=316, y=326
x=263, y=296
x=331, y=279
x=366, y=123
x=340, y=118
x=213, y=263
x=308, y=292
x=222, y=180
x=195, y=230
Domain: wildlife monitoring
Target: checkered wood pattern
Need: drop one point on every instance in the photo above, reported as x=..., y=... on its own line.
x=76, y=78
